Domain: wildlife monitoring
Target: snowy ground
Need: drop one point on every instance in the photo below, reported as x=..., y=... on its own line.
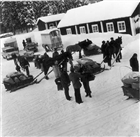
x=41, y=110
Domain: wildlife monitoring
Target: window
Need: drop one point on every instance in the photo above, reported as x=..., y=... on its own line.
x=110, y=27
x=51, y=26
x=121, y=26
x=95, y=28
x=82, y=30
x=68, y=30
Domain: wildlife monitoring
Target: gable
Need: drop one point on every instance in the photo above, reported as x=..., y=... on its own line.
x=51, y=18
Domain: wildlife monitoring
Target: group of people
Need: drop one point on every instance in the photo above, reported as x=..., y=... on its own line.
x=109, y=49
x=63, y=79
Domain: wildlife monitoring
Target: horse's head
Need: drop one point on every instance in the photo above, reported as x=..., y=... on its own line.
x=119, y=40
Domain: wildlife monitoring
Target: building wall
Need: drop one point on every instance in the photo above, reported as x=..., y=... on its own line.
x=94, y=23
x=114, y=21
x=63, y=30
x=41, y=25
x=80, y=25
x=136, y=19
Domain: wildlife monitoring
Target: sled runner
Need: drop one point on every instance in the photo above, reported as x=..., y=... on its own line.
x=16, y=80
x=90, y=66
x=131, y=85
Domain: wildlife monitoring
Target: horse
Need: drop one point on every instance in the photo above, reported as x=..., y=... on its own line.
x=74, y=48
x=64, y=57
x=85, y=43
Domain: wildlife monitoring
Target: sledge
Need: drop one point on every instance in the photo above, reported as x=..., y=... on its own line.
x=131, y=85
x=17, y=80
x=90, y=66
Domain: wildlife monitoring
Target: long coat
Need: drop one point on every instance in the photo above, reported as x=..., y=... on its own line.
x=134, y=64
x=75, y=78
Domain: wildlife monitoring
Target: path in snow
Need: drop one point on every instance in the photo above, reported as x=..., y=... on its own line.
x=41, y=110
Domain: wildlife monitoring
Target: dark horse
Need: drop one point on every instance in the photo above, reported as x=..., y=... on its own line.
x=66, y=56
x=114, y=48
x=85, y=43
x=74, y=48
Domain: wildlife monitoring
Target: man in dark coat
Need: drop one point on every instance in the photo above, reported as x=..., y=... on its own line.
x=85, y=82
x=24, y=44
x=65, y=81
x=44, y=61
x=107, y=54
x=75, y=78
x=103, y=47
x=24, y=64
x=134, y=62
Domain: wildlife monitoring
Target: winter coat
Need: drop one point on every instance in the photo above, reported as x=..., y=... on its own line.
x=75, y=78
x=134, y=64
x=103, y=47
x=23, y=62
x=65, y=81
x=55, y=54
x=56, y=70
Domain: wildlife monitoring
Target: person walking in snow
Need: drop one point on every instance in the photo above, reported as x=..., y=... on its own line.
x=107, y=54
x=134, y=62
x=65, y=81
x=24, y=64
x=24, y=44
x=103, y=47
x=75, y=78
x=44, y=63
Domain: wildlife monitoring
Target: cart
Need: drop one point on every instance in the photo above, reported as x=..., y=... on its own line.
x=90, y=66
x=131, y=85
x=16, y=80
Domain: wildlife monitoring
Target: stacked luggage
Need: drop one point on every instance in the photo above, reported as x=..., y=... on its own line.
x=131, y=85
x=89, y=65
x=16, y=80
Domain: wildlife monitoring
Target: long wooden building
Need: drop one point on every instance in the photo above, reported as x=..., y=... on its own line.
x=105, y=16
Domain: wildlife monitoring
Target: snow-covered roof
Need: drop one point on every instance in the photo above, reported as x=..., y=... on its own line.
x=51, y=18
x=99, y=11
x=48, y=31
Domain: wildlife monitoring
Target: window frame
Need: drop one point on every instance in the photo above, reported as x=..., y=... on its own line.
x=68, y=31
x=109, y=23
x=95, y=25
x=81, y=28
x=121, y=30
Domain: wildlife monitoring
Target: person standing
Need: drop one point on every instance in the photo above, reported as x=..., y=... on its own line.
x=57, y=74
x=65, y=81
x=24, y=64
x=24, y=44
x=134, y=62
x=75, y=78
x=107, y=54
x=103, y=47
x=44, y=61
x=85, y=82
